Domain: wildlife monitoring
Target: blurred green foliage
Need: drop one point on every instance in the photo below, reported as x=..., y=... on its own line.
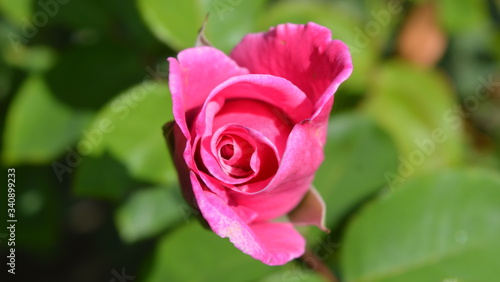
x=443, y=225
x=411, y=175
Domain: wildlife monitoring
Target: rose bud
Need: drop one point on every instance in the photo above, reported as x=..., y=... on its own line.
x=249, y=132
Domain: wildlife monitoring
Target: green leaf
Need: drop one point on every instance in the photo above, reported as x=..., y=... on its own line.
x=416, y=107
x=343, y=25
x=294, y=272
x=441, y=227
x=148, y=212
x=460, y=16
x=357, y=154
x=35, y=59
x=205, y=257
x=176, y=23
x=38, y=127
x=102, y=177
x=18, y=10
x=230, y=20
x=130, y=127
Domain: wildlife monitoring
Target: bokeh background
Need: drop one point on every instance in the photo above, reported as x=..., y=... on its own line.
x=411, y=176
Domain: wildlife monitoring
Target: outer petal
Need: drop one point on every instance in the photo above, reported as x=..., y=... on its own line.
x=197, y=72
x=310, y=211
x=271, y=243
x=276, y=91
x=303, y=54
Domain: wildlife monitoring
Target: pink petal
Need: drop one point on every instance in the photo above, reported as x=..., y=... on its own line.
x=310, y=211
x=182, y=157
x=279, y=93
x=287, y=99
x=271, y=243
x=259, y=116
x=282, y=242
x=303, y=155
x=261, y=149
x=197, y=72
x=303, y=54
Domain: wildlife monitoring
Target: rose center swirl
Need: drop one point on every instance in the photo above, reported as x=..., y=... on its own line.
x=247, y=141
x=235, y=155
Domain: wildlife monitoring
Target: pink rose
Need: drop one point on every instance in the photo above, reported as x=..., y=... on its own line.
x=249, y=133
